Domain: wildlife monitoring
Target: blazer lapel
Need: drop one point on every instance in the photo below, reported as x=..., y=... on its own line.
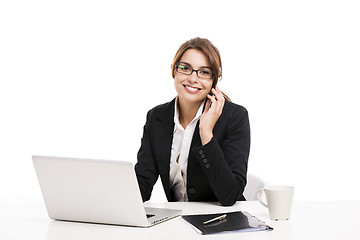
x=163, y=136
x=196, y=140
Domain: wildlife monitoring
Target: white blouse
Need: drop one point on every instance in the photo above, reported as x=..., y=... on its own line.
x=179, y=153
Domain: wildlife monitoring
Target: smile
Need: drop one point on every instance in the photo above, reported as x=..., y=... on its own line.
x=192, y=89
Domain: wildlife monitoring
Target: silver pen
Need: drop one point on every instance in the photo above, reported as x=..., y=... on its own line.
x=219, y=218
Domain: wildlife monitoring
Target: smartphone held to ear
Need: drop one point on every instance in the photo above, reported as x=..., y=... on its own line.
x=211, y=94
x=212, y=87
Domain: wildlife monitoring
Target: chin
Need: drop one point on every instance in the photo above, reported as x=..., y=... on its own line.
x=192, y=98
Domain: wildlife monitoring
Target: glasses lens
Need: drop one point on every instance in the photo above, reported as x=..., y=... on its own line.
x=205, y=73
x=183, y=68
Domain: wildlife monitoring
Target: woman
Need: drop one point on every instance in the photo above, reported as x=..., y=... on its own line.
x=199, y=142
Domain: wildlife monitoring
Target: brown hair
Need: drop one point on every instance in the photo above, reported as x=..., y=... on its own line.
x=205, y=46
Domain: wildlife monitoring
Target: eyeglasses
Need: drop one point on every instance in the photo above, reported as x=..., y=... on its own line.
x=202, y=73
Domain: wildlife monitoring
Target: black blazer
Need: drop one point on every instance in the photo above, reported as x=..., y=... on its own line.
x=215, y=171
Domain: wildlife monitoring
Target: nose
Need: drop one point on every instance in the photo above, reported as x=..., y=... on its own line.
x=193, y=77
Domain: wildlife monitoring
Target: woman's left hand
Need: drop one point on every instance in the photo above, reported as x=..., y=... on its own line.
x=213, y=109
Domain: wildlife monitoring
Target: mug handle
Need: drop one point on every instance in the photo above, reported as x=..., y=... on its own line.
x=259, y=195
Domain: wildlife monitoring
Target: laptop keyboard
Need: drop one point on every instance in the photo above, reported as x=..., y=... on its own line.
x=149, y=215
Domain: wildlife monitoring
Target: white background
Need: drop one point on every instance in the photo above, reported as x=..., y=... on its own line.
x=78, y=77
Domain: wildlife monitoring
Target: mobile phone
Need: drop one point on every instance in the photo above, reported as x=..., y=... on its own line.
x=211, y=93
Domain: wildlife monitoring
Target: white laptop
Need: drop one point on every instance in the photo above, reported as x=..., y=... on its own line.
x=95, y=191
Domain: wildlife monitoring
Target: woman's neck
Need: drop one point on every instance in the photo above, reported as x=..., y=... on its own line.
x=187, y=111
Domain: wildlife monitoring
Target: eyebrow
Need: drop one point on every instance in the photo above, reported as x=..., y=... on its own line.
x=192, y=66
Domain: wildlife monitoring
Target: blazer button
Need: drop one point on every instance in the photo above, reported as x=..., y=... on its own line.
x=205, y=160
x=202, y=156
x=201, y=151
x=207, y=165
x=192, y=190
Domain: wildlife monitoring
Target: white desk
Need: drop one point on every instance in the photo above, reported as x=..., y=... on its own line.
x=24, y=217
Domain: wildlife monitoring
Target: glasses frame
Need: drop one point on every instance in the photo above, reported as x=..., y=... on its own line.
x=194, y=70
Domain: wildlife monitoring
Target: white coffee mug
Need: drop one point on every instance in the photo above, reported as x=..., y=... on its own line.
x=279, y=200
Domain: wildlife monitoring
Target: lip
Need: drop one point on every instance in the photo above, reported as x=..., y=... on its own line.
x=192, y=89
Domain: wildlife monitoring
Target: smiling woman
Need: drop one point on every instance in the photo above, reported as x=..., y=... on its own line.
x=212, y=54
x=199, y=142
x=192, y=88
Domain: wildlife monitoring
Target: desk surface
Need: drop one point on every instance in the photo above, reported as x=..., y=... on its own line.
x=25, y=217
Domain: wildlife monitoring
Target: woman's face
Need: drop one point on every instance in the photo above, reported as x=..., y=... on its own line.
x=191, y=88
